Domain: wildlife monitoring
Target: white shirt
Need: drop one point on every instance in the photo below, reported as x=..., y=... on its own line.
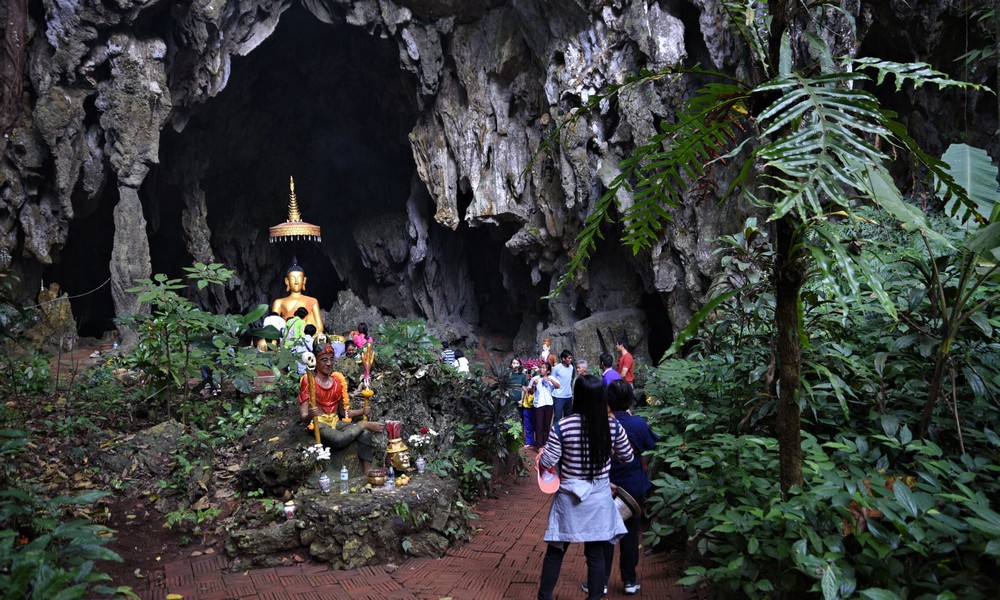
x=277, y=322
x=543, y=391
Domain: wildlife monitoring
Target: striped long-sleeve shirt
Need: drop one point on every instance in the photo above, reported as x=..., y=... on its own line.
x=568, y=450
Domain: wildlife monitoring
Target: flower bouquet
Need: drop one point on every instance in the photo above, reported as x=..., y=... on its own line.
x=321, y=453
x=421, y=441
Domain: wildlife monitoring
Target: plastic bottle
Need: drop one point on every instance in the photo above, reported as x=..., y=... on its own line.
x=343, y=479
x=390, y=481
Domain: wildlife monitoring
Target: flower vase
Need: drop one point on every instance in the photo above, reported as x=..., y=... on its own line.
x=421, y=464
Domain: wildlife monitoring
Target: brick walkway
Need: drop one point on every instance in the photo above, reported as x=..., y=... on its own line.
x=502, y=561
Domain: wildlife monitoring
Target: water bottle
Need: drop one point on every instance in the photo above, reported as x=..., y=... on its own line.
x=390, y=481
x=343, y=479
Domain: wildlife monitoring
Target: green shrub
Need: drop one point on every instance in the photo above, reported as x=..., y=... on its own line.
x=406, y=343
x=42, y=554
x=881, y=514
x=863, y=526
x=474, y=475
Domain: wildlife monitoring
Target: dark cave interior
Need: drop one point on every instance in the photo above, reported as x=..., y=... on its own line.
x=331, y=107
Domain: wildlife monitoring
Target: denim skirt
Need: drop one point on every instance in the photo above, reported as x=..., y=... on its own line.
x=584, y=511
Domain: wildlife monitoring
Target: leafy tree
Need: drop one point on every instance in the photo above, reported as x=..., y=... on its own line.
x=956, y=284
x=177, y=338
x=810, y=143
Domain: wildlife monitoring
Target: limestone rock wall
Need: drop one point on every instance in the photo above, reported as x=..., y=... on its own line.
x=492, y=79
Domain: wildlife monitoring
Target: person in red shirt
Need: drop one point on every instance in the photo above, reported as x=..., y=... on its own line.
x=626, y=365
x=336, y=427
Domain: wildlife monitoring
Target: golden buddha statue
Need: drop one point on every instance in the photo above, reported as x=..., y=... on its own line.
x=295, y=283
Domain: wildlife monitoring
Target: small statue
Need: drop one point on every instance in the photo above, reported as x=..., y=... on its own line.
x=399, y=454
x=295, y=283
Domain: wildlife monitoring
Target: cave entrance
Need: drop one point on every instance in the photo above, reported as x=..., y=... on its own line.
x=327, y=105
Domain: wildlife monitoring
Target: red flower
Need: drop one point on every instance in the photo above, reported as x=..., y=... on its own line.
x=423, y=431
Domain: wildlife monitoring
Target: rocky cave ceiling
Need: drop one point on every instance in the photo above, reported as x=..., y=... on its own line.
x=333, y=110
x=409, y=126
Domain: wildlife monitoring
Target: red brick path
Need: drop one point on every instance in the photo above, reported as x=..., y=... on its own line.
x=502, y=561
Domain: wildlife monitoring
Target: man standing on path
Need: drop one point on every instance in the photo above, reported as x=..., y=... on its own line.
x=607, y=373
x=626, y=364
x=562, y=396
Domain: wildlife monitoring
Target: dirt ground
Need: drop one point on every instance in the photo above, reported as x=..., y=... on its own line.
x=142, y=539
x=145, y=544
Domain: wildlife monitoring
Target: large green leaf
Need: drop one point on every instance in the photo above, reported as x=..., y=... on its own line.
x=986, y=241
x=697, y=320
x=972, y=169
x=883, y=190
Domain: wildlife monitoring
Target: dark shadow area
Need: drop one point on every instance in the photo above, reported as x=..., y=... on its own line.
x=83, y=267
x=660, y=329
x=326, y=105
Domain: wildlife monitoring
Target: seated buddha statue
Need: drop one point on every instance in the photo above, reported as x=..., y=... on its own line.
x=295, y=283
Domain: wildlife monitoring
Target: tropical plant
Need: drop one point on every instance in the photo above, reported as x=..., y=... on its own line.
x=460, y=461
x=492, y=417
x=177, y=339
x=881, y=513
x=964, y=285
x=809, y=141
x=43, y=554
x=406, y=342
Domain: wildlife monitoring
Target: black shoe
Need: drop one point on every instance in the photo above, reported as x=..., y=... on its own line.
x=586, y=590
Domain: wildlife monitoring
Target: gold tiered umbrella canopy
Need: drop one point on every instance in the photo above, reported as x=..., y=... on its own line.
x=294, y=229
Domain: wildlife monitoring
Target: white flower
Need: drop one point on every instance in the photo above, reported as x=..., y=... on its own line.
x=321, y=451
x=422, y=440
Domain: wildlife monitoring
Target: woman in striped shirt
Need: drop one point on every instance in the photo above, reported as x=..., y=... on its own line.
x=582, y=446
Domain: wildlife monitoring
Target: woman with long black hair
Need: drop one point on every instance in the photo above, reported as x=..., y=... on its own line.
x=581, y=446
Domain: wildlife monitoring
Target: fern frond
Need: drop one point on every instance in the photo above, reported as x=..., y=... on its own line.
x=944, y=184
x=972, y=169
x=821, y=132
x=749, y=19
x=659, y=171
x=708, y=126
x=918, y=73
x=586, y=240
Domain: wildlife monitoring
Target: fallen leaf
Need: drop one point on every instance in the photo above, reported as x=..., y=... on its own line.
x=175, y=596
x=129, y=516
x=209, y=551
x=201, y=504
x=233, y=468
x=274, y=439
x=197, y=553
x=138, y=574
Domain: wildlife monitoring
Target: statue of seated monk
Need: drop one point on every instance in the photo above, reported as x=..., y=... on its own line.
x=337, y=424
x=295, y=283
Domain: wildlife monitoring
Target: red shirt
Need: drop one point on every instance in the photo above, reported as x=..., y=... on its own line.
x=625, y=360
x=327, y=399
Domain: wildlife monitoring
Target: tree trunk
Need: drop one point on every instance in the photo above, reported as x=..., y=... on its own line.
x=932, y=394
x=789, y=275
